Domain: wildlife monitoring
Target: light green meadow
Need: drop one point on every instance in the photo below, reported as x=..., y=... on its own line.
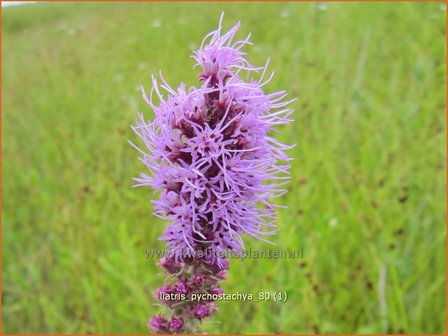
x=367, y=194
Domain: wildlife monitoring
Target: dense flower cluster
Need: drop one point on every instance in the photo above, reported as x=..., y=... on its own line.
x=189, y=277
x=211, y=154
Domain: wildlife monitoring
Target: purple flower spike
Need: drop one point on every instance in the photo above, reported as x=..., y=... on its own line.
x=210, y=152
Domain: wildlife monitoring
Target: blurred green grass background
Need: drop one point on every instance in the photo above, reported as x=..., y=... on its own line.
x=367, y=195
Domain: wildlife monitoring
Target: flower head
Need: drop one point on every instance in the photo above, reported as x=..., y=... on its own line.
x=176, y=325
x=199, y=279
x=201, y=310
x=212, y=155
x=158, y=324
x=216, y=291
x=181, y=287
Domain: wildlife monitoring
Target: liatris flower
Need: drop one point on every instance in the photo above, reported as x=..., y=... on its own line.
x=212, y=156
